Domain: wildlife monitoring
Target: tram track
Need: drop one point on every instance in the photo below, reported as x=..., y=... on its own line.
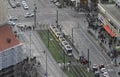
x=75, y=68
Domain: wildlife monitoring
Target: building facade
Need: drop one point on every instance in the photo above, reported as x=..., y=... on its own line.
x=3, y=12
x=11, y=52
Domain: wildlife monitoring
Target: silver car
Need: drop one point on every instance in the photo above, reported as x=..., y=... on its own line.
x=27, y=15
x=12, y=18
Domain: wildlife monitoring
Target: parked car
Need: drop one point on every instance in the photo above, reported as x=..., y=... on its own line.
x=20, y=25
x=11, y=23
x=12, y=3
x=12, y=18
x=58, y=4
x=27, y=15
x=25, y=6
x=23, y=2
x=18, y=4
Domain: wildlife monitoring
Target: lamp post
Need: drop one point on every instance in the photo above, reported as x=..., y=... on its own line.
x=72, y=36
x=73, y=31
x=30, y=43
x=88, y=61
x=35, y=8
x=46, y=74
x=57, y=19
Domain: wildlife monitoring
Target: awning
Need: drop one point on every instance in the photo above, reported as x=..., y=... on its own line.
x=107, y=28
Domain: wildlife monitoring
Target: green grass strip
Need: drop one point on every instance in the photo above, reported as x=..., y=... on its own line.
x=58, y=53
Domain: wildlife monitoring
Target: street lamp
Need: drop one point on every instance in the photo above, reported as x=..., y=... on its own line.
x=88, y=62
x=35, y=8
x=73, y=31
x=30, y=44
x=72, y=37
x=46, y=74
x=57, y=19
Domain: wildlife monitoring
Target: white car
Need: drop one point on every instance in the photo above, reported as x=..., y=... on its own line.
x=26, y=7
x=23, y=2
x=103, y=70
x=20, y=25
x=27, y=15
x=94, y=67
x=105, y=74
x=12, y=18
x=11, y=23
x=58, y=4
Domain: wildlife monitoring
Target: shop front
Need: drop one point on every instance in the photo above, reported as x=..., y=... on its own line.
x=106, y=33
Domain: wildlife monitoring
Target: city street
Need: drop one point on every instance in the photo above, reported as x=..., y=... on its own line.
x=68, y=19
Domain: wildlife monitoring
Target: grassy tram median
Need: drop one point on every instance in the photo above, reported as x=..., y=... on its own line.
x=58, y=54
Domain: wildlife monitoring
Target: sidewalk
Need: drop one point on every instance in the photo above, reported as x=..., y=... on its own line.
x=104, y=45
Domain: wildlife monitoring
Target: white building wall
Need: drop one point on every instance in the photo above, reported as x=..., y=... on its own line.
x=11, y=57
x=3, y=12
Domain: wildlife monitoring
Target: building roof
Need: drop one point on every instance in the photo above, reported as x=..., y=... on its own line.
x=7, y=38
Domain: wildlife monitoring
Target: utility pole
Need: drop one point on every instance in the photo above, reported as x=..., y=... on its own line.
x=115, y=57
x=64, y=59
x=48, y=38
x=46, y=74
x=88, y=60
x=30, y=43
x=72, y=37
x=57, y=19
x=35, y=8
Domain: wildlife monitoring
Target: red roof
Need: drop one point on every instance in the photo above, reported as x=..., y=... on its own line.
x=7, y=38
x=107, y=28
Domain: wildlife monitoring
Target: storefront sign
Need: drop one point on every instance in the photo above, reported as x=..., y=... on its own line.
x=101, y=18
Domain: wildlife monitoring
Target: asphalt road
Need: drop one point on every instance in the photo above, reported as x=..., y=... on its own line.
x=46, y=14
x=35, y=47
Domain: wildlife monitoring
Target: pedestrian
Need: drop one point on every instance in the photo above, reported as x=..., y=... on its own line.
x=44, y=52
x=109, y=46
x=33, y=27
x=105, y=41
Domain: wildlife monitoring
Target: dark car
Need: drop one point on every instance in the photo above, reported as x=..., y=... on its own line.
x=18, y=4
x=58, y=4
x=101, y=66
x=97, y=74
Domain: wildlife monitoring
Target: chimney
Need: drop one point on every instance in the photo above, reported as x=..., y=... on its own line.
x=8, y=40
